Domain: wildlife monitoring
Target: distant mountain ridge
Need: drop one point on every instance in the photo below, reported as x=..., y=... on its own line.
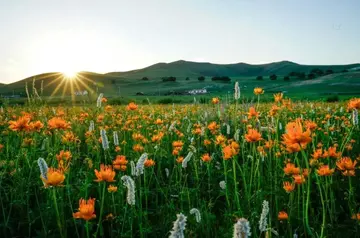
x=180, y=69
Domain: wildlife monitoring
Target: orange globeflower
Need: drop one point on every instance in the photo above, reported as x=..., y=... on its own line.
x=215, y=100
x=228, y=152
x=54, y=177
x=278, y=97
x=66, y=155
x=346, y=166
x=253, y=136
x=180, y=159
x=131, y=106
x=138, y=148
x=120, y=162
x=299, y=179
x=295, y=136
x=86, y=209
x=206, y=157
x=354, y=104
x=104, y=100
x=252, y=113
x=106, y=173
x=36, y=126
x=58, y=123
x=149, y=163
x=288, y=187
x=356, y=216
x=291, y=169
x=21, y=124
x=274, y=110
x=325, y=171
x=258, y=91
x=112, y=189
x=283, y=216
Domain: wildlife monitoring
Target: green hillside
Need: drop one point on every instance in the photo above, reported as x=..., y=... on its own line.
x=130, y=83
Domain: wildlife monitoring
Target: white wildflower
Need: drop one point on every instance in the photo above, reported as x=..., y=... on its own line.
x=139, y=170
x=187, y=159
x=104, y=139
x=116, y=138
x=237, y=91
x=167, y=172
x=98, y=101
x=133, y=170
x=355, y=117
x=43, y=167
x=130, y=185
x=222, y=185
x=242, y=229
x=179, y=227
x=197, y=214
x=263, y=217
x=92, y=126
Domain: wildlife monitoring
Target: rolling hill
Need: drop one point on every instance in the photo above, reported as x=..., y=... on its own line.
x=130, y=83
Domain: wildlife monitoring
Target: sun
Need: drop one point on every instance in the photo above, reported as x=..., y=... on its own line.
x=70, y=74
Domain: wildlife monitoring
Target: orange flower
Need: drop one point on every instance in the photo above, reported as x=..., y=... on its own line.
x=207, y=142
x=104, y=100
x=120, y=162
x=131, y=106
x=69, y=137
x=106, y=173
x=299, y=179
x=354, y=104
x=258, y=91
x=36, y=126
x=54, y=177
x=325, y=171
x=274, y=110
x=356, y=216
x=220, y=140
x=159, y=121
x=310, y=125
x=346, y=166
x=295, y=136
x=206, y=158
x=180, y=159
x=86, y=209
x=138, y=148
x=22, y=124
x=177, y=144
x=253, y=136
x=64, y=155
x=228, y=152
x=278, y=97
x=112, y=189
x=283, y=216
x=215, y=100
x=291, y=169
x=288, y=187
x=149, y=163
x=252, y=113
x=331, y=152
x=213, y=127
x=58, y=123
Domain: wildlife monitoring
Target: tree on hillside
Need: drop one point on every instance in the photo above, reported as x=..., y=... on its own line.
x=286, y=78
x=201, y=78
x=187, y=78
x=221, y=78
x=345, y=71
x=311, y=76
x=273, y=77
x=317, y=72
x=168, y=79
x=145, y=78
x=329, y=71
x=259, y=78
x=302, y=75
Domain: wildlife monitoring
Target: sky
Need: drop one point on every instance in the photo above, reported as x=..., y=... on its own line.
x=38, y=36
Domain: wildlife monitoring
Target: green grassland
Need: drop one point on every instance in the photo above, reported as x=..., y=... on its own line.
x=129, y=84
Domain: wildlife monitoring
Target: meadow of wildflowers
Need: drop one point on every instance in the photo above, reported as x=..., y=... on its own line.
x=239, y=169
